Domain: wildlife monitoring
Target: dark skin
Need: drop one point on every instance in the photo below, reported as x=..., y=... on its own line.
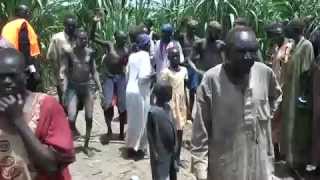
x=15, y=99
x=174, y=58
x=114, y=62
x=23, y=11
x=204, y=50
x=79, y=67
x=241, y=52
x=70, y=25
x=187, y=39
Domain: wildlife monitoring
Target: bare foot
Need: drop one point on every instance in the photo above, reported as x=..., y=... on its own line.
x=105, y=139
x=88, y=152
x=75, y=134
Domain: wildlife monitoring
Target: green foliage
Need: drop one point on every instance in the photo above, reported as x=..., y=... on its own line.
x=121, y=14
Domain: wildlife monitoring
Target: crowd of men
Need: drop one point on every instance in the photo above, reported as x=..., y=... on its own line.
x=246, y=115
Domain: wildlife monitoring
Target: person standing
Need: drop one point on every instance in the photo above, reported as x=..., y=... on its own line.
x=138, y=96
x=278, y=55
x=160, y=60
x=35, y=138
x=187, y=40
x=235, y=102
x=296, y=105
x=114, y=84
x=22, y=36
x=58, y=44
x=162, y=135
x=177, y=77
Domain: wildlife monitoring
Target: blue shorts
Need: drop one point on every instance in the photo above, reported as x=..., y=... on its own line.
x=115, y=86
x=193, y=79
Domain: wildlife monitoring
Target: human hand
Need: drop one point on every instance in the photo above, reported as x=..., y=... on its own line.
x=98, y=15
x=12, y=107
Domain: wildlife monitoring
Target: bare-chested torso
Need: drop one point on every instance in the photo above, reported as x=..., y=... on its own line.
x=79, y=65
x=115, y=60
x=187, y=44
x=210, y=54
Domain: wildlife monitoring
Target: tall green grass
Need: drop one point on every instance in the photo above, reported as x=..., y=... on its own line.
x=48, y=14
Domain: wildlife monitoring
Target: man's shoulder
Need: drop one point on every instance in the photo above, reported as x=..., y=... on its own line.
x=260, y=68
x=213, y=72
x=58, y=35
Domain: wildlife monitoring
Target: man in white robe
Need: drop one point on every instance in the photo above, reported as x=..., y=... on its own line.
x=235, y=103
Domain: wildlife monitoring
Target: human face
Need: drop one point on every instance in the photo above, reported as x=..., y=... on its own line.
x=70, y=27
x=12, y=78
x=121, y=38
x=192, y=29
x=242, y=53
x=82, y=40
x=275, y=38
x=166, y=36
x=174, y=57
x=213, y=33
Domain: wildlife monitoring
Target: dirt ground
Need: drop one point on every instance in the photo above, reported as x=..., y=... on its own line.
x=109, y=161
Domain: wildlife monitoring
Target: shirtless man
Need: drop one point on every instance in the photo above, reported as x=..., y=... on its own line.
x=207, y=52
x=78, y=68
x=114, y=62
x=187, y=41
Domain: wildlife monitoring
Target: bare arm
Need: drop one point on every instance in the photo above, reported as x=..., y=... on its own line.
x=42, y=156
x=195, y=56
x=63, y=73
x=95, y=74
x=275, y=96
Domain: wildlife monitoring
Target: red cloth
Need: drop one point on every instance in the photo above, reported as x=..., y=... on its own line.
x=53, y=130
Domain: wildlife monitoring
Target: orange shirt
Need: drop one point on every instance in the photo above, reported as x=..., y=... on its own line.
x=11, y=33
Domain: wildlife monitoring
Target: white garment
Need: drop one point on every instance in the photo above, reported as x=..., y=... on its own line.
x=138, y=99
x=160, y=59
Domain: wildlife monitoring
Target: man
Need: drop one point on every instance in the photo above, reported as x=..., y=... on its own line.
x=160, y=60
x=162, y=135
x=148, y=24
x=78, y=69
x=114, y=84
x=280, y=48
x=207, y=52
x=235, y=103
x=278, y=54
x=296, y=105
x=22, y=36
x=35, y=138
x=59, y=42
x=187, y=41
x=315, y=40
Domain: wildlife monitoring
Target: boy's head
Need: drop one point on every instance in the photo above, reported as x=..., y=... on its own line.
x=174, y=56
x=163, y=92
x=81, y=38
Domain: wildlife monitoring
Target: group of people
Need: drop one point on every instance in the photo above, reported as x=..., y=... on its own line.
x=246, y=115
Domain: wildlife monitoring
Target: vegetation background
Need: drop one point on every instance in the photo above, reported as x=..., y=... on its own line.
x=48, y=15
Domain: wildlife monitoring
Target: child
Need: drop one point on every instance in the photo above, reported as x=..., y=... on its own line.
x=162, y=135
x=177, y=76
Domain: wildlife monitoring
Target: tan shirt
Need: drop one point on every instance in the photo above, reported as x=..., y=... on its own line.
x=231, y=136
x=60, y=42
